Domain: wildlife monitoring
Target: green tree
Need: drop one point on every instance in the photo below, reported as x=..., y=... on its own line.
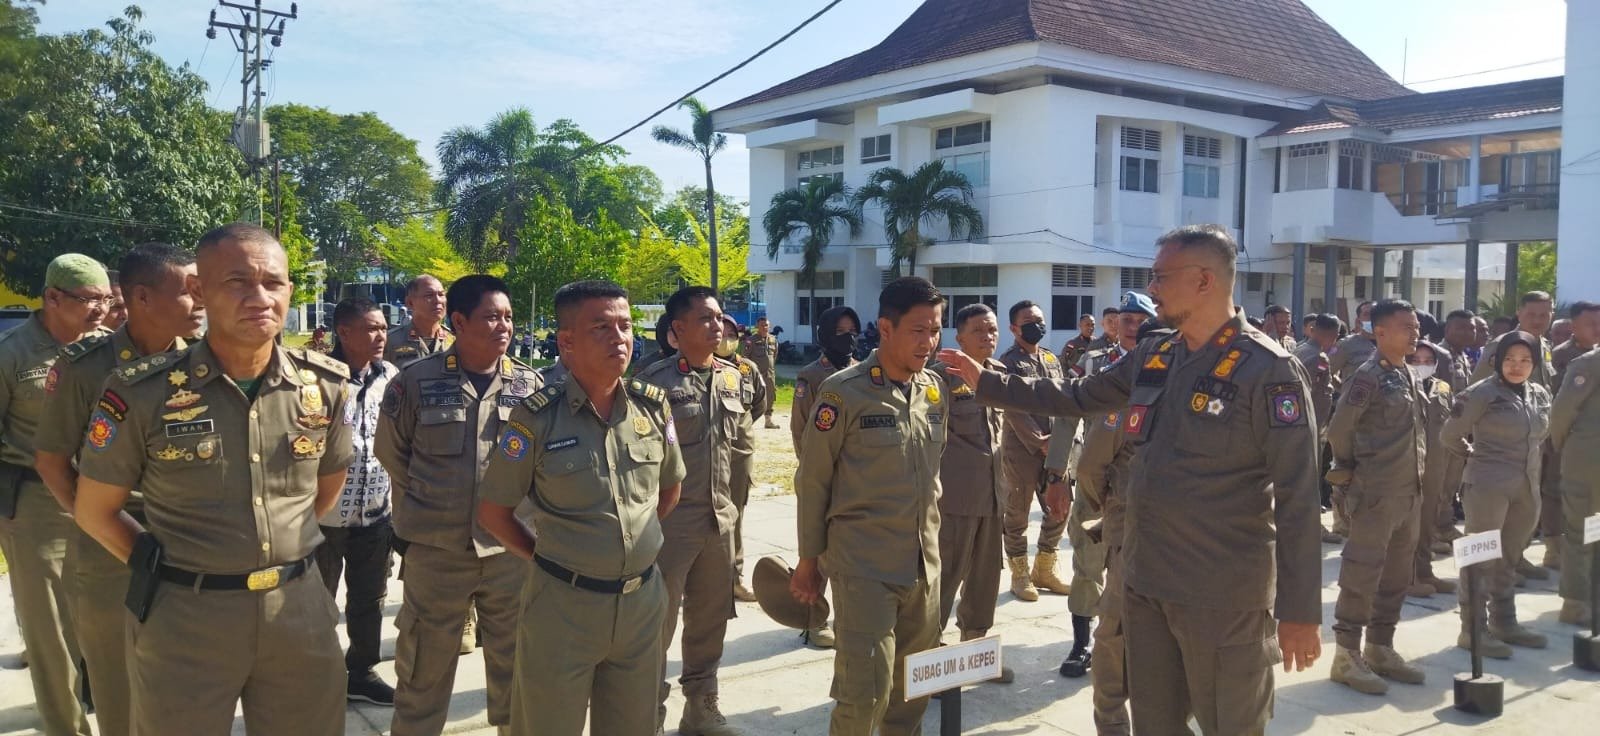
x=106, y=146
x=930, y=197
x=18, y=42
x=688, y=204
x=1536, y=271
x=418, y=246
x=558, y=250
x=811, y=214
x=352, y=173
x=703, y=139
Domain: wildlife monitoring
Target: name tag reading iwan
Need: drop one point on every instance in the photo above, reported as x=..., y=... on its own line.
x=944, y=668
x=1475, y=548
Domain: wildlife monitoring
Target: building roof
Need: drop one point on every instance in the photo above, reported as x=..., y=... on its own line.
x=1279, y=42
x=1465, y=105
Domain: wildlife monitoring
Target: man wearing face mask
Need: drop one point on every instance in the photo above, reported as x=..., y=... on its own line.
x=1355, y=349
x=1025, y=449
x=744, y=444
x=1431, y=363
x=835, y=333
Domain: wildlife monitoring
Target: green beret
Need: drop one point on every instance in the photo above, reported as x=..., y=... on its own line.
x=75, y=271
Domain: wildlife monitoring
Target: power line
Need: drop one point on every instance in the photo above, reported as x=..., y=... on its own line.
x=80, y=216
x=1489, y=71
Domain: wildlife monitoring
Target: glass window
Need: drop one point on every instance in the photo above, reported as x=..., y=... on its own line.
x=974, y=165
x=875, y=149
x=1200, y=180
x=821, y=158
x=970, y=134
x=1140, y=174
x=1065, y=309
x=1307, y=167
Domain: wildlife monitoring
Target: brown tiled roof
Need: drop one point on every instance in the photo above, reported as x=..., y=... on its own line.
x=1465, y=105
x=1278, y=42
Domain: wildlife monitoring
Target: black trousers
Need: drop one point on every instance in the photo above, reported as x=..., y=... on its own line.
x=362, y=553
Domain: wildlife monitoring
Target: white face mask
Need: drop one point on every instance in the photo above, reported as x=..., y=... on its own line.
x=1366, y=327
x=1424, y=372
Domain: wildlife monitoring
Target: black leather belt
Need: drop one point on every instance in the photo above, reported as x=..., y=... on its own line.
x=25, y=472
x=596, y=585
x=264, y=579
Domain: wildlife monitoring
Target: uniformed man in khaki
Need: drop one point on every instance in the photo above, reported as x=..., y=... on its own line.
x=238, y=446
x=744, y=445
x=1379, y=438
x=1108, y=331
x=709, y=399
x=869, y=512
x=974, y=488
x=162, y=313
x=761, y=348
x=1575, y=432
x=598, y=458
x=1355, y=348
x=1279, y=325
x=1585, y=335
x=1079, y=344
x=837, y=329
x=34, y=530
x=1431, y=364
x=1024, y=449
x=440, y=421
x=425, y=334
x=1222, y=511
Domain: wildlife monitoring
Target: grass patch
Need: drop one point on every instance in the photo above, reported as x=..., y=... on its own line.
x=775, y=462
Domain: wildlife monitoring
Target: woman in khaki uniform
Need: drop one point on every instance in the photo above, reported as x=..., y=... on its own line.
x=1507, y=417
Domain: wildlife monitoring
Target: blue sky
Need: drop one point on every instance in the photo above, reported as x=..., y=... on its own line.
x=426, y=66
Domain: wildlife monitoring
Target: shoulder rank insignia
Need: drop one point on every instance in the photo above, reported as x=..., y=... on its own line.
x=542, y=398
x=744, y=368
x=648, y=390
x=146, y=368
x=324, y=362
x=77, y=350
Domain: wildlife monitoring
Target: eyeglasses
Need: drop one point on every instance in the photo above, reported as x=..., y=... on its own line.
x=104, y=302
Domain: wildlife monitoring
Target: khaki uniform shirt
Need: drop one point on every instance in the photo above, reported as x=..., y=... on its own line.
x=869, y=475
x=1543, y=365
x=1507, y=429
x=553, y=373
x=1224, y=502
x=744, y=442
x=1378, y=433
x=1029, y=434
x=27, y=352
x=1103, y=473
x=763, y=351
x=970, y=472
x=1317, y=368
x=404, y=348
x=1560, y=357
x=805, y=395
x=593, y=483
x=1459, y=372
x=434, y=437
x=708, y=409
x=1348, y=354
x=74, y=386
x=230, y=486
x=1575, y=417
x=1437, y=397
x=1075, y=348
x=1064, y=441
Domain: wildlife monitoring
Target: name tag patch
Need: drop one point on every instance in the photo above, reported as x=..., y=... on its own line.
x=878, y=421
x=454, y=399
x=32, y=373
x=561, y=444
x=190, y=429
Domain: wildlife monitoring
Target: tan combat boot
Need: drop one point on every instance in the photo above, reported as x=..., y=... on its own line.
x=1552, y=552
x=1420, y=589
x=1384, y=661
x=1574, y=612
x=1518, y=635
x=820, y=637
x=1329, y=537
x=1021, y=586
x=741, y=592
x=1530, y=571
x=1439, y=585
x=1488, y=646
x=1044, y=574
x=469, y=633
x=703, y=717
x=1351, y=670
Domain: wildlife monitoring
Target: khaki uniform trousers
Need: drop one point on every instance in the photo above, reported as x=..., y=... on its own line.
x=584, y=653
x=1438, y=516
x=1515, y=512
x=1088, y=564
x=1377, y=566
x=969, y=562
x=1580, y=497
x=35, y=545
x=698, y=572
x=99, y=588
x=1109, y=676
x=200, y=652
x=1026, y=479
x=1213, y=664
x=440, y=586
x=743, y=467
x=1551, y=521
x=875, y=625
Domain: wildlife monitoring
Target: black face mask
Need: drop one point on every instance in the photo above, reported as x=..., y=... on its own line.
x=1033, y=332
x=840, y=348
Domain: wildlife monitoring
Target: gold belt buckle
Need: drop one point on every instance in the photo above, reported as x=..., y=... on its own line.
x=263, y=579
x=632, y=585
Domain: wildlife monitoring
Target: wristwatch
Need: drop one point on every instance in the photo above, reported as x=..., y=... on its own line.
x=1054, y=478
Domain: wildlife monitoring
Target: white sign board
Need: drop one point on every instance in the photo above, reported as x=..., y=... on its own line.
x=1591, y=529
x=944, y=668
x=1475, y=548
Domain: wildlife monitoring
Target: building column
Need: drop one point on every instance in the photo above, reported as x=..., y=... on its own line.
x=1297, y=288
x=1330, y=280
x=1512, y=289
x=1470, y=293
x=1408, y=273
x=1380, y=264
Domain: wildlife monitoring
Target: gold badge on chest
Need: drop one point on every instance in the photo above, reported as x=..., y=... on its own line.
x=184, y=415
x=641, y=426
x=303, y=446
x=182, y=398
x=310, y=400
x=206, y=449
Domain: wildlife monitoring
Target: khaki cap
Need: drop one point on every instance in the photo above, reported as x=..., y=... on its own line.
x=771, y=581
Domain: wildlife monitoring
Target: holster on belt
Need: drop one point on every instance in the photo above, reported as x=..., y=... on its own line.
x=11, y=478
x=145, y=564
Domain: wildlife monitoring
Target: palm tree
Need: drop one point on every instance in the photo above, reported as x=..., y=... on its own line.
x=490, y=178
x=813, y=210
x=930, y=196
x=705, y=142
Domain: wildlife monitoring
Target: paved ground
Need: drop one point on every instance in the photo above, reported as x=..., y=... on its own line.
x=771, y=684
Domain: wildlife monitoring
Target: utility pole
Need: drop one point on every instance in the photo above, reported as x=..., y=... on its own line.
x=251, y=135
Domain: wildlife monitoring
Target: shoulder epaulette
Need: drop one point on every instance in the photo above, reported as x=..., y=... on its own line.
x=149, y=366
x=324, y=362
x=538, y=400
x=655, y=366
x=75, y=352
x=649, y=391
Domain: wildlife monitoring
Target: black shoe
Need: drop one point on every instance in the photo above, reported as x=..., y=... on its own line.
x=370, y=688
x=1077, y=663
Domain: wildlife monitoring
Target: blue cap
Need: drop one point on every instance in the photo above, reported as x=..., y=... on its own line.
x=1133, y=301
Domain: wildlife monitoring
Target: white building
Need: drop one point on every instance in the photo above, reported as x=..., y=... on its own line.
x=1089, y=128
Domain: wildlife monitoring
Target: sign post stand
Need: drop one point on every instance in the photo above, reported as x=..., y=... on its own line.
x=1476, y=692
x=1586, y=648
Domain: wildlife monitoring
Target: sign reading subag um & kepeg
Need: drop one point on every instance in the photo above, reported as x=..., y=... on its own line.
x=944, y=668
